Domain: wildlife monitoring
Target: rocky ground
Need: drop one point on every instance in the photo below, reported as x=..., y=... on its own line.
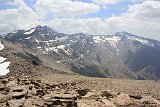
x=136, y=87
x=59, y=90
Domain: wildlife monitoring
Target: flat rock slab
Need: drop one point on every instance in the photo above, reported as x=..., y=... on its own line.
x=90, y=103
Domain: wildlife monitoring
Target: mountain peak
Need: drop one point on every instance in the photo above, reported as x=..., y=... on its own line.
x=45, y=26
x=124, y=33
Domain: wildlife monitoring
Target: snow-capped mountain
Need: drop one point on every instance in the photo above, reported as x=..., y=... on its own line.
x=122, y=55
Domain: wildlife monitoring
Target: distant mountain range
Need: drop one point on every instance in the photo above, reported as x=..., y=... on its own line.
x=121, y=55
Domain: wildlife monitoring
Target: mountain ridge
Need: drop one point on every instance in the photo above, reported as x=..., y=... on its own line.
x=47, y=27
x=114, y=56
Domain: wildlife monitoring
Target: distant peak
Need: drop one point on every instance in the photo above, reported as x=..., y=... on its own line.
x=124, y=33
x=45, y=26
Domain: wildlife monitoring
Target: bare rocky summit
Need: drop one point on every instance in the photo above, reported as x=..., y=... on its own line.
x=29, y=92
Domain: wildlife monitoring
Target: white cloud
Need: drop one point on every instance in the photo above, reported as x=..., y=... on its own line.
x=65, y=7
x=90, y=25
x=103, y=2
x=142, y=19
x=19, y=3
x=148, y=9
x=18, y=18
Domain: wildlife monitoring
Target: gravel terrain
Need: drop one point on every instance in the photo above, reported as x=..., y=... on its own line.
x=136, y=87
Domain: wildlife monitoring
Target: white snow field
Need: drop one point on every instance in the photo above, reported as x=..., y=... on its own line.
x=3, y=65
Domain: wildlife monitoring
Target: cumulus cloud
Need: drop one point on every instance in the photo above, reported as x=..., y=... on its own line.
x=18, y=18
x=148, y=9
x=105, y=1
x=65, y=7
x=141, y=18
x=72, y=25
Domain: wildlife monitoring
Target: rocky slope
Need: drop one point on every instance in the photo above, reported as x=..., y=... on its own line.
x=30, y=83
x=17, y=61
x=26, y=92
x=122, y=55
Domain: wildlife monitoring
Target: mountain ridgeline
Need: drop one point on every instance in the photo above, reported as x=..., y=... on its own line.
x=122, y=55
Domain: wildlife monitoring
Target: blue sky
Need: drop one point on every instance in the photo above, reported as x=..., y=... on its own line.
x=140, y=17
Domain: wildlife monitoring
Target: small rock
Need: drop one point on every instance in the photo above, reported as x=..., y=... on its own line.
x=12, y=83
x=92, y=94
x=4, y=98
x=28, y=103
x=109, y=94
x=124, y=100
x=49, y=103
x=18, y=92
x=16, y=103
x=38, y=102
x=5, y=81
x=2, y=87
x=148, y=100
x=138, y=97
x=3, y=105
x=82, y=92
x=47, y=97
x=90, y=103
x=108, y=103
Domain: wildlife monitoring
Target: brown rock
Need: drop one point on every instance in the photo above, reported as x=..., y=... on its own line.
x=16, y=103
x=64, y=95
x=3, y=105
x=109, y=94
x=18, y=92
x=4, y=98
x=38, y=102
x=5, y=80
x=148, y=100
x=47, y=97
x=28, y=103
x=90, y=103
x=124, y=100
x=2, y=87
x=12, y=83
x=108, y=103
x=82, y=92
x=91, y=95
x=49, y=103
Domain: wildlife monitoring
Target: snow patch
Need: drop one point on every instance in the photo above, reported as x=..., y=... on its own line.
x=4, y=68
x=62, y=38
x=1, y=46
x=2, y=59
x=61, y=46
x=55, y=49
x=97, y=39
x=39, y=47
x=145, y=42
x=113, y=40
x=3, y=65
x=37, y=40
x=29, y=32
x=61, y=61
x=27, y=37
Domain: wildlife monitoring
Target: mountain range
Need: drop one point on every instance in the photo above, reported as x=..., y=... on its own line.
x=121, y=55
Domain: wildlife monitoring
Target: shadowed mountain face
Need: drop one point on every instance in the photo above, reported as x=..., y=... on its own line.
x=122, y=55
